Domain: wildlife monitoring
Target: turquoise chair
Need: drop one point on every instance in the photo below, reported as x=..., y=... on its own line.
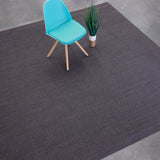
x=60, y=26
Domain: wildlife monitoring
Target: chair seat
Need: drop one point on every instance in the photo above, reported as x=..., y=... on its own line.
x=68, y=32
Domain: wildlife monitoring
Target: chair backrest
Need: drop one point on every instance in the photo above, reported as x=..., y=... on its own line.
x=55, y=13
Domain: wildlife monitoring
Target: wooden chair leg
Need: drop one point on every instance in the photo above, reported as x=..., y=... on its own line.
x=67, y=61
x=81, y=48
x=52, y=49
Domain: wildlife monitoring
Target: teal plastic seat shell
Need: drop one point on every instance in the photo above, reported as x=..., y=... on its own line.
x=68, y=32
x=59, y=23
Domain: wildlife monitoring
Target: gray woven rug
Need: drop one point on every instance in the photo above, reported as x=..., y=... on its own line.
x=107, y=101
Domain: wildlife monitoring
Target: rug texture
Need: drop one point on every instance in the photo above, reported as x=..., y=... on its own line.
x=106, y=101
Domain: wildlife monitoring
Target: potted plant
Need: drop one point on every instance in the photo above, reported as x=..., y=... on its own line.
x=92, y=23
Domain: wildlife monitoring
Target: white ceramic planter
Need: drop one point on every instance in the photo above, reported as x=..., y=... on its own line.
x=92, y=41
x=92, y=38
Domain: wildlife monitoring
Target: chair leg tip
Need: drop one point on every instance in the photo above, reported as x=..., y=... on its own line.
x=67, y=68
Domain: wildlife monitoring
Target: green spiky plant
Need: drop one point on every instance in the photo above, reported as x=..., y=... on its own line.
x=92, y=19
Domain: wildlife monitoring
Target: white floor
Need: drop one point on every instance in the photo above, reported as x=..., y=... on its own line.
x=146, y=149
x=145, y=14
